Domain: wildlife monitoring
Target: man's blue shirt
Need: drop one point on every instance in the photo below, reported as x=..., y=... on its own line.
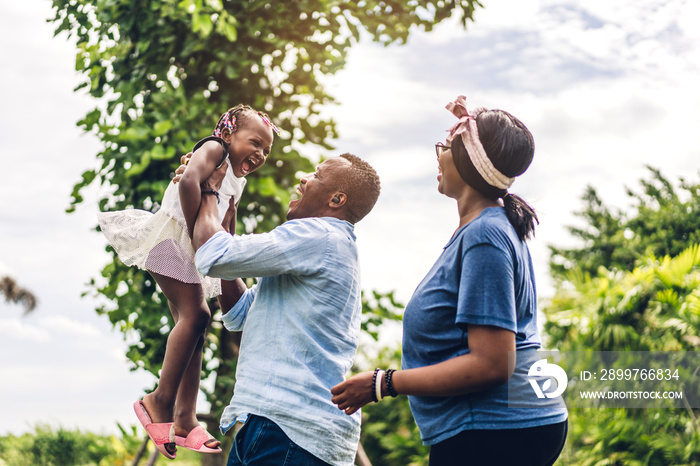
x=300, y=323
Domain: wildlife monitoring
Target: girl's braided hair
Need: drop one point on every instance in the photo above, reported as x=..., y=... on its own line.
x=239, y=115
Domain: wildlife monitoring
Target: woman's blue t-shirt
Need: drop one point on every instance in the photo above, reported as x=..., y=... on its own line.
x=484, y=276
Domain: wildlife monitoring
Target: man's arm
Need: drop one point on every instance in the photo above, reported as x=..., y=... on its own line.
x=231, y=292
x=208, y=223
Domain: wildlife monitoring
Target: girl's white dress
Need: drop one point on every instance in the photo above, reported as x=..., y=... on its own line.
x=159, y=242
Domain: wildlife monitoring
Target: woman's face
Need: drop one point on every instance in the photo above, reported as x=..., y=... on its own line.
x=450, y=183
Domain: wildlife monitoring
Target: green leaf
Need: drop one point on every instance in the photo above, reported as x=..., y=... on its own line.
x=161, y=127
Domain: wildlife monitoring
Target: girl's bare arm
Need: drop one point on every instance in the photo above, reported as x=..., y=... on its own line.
x=201, y=165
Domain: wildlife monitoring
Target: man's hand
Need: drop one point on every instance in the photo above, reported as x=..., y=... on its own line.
x=229, y=221
x=216, y=179
x=184, y=160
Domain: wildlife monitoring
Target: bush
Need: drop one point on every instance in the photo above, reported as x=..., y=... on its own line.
x=60, y=447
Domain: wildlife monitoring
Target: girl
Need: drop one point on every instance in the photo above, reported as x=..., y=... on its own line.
x=161, y=244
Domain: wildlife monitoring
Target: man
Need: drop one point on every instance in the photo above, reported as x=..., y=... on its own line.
x=300, y=322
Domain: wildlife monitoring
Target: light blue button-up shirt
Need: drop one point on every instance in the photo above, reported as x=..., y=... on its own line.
x=300, y=323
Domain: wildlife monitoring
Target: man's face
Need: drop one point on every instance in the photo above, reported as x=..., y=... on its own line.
x=316, y=190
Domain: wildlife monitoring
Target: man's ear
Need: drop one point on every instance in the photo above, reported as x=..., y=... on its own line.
x=339, y=199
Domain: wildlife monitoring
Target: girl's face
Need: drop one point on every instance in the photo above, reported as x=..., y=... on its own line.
x=450, y=183
x=249, y=146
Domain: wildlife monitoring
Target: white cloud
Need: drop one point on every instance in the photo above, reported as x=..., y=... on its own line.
x=500, y=14
x=71, y=328
x=16, y=329
x=5, y=271
x=687, y=18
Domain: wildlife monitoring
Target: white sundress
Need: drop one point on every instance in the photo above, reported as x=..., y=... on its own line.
x=159, y=242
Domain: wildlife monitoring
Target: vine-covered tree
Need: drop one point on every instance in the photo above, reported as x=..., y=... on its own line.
x=162, y=72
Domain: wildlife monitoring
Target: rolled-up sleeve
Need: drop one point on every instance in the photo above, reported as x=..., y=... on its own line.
x=292, y=248
x=234, y=319
x=211, y=252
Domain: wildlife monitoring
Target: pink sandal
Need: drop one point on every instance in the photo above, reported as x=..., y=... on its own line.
x=196, y=440
x=160, y=433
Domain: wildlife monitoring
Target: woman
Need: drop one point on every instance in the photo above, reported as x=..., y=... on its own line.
x=476, y=306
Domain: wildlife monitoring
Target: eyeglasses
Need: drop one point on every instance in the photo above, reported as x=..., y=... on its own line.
x=440, y=149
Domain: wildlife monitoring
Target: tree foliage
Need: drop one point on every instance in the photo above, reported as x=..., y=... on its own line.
x=663, y=220
x=633, y=286
x=654, y=307
x=390, y=435
x=161, y=72
x=48, y=446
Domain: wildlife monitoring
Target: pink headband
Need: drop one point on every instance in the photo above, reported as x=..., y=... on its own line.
x=467, y=129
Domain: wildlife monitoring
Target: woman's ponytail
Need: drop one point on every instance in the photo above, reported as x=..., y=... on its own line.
x=521, y=216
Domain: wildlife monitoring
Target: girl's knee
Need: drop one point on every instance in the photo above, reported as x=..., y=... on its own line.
x=200, y=319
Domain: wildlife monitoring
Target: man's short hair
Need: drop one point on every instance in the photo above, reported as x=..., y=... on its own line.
x=362, y=187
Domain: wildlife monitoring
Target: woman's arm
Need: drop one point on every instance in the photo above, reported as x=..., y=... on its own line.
x=200, y=166
x=485, y=366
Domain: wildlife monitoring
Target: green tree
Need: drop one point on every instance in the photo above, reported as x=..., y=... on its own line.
x=663, y=220
x=162, y=71
x=654, y=307
x=47, y=446
x=632, y=286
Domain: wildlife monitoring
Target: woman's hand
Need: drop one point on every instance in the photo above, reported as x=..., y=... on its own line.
x=354, y=393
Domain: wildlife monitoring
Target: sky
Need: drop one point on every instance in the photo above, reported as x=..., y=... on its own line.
x=605, y=86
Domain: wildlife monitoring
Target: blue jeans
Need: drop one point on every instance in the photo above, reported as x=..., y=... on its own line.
x=261, y=442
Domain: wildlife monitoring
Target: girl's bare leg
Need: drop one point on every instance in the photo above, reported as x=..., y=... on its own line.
x=186, y=403
x=182, y=363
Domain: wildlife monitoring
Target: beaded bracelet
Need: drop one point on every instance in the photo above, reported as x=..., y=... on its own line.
x=212, y=191
x=389, y=386
x=374, y=385
x=378, y=388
